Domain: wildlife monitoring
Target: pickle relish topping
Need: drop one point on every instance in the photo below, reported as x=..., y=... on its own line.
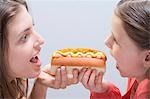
x=79, y=52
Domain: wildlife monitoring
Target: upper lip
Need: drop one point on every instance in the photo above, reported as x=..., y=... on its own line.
x=36, y=53
x=38, y=48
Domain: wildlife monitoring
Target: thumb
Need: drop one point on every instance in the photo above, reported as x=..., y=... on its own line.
x=46, y=79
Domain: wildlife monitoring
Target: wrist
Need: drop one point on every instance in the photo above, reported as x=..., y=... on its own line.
x=40, y=85
x=104, y=88
x=38, y=91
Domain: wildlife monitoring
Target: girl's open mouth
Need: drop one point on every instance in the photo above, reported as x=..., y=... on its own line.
x=117, y=66
x=34, y=59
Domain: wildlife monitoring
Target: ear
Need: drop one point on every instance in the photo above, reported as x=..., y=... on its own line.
x=147, y=59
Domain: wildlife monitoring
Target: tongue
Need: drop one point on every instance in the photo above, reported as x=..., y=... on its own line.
x=34, y=60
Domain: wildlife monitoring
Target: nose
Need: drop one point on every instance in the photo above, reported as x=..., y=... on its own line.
x=39, y=41
x=108, y=42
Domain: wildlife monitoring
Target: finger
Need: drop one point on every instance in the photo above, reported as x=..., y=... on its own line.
x=57, y=79
x=46, y=68
x=46, y=79
x=70, y=79
x=75, y=76
x=99, y=80
x=96, y=78
x=64, y=77
x=91, y=82
x=86, y=78
x=81, y=74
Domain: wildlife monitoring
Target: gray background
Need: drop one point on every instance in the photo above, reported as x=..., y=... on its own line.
x=75, y=23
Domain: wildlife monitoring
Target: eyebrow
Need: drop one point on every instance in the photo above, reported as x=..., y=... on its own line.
x=28, y=28
x=113, y=35
x=20, y=34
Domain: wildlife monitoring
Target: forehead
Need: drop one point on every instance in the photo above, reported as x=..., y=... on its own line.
x=117, y=24
x=120, y=34
x=117, y=27
x=21, y=20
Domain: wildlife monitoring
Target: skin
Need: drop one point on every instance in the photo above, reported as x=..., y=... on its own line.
x=25, y=43
x=130, y=59
x=125, y=52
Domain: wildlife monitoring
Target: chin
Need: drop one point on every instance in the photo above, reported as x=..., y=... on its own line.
x=34, y=75
x=122, y=75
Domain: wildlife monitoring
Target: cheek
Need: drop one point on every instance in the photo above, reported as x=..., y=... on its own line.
x=115, y=52
x=120, y=56
x=135, y=61
x=19, y=56
x=17, y=59
x=20, y=66
x=129, y=60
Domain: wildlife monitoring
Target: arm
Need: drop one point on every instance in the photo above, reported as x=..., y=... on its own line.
x=39, y=91
x=45, y=80
x=92, y=81
x=112, y=92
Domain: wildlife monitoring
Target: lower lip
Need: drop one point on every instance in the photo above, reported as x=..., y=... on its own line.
x=38, y=63
x=117, y=66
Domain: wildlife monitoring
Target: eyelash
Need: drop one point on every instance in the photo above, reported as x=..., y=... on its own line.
x=25, y=37
x=114, y=40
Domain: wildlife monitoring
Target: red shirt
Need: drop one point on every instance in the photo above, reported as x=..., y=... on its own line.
x=142, y=91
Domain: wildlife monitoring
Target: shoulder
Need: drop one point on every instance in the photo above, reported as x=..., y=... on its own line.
x=131, y=81
x=144, y=85
x=143, y=89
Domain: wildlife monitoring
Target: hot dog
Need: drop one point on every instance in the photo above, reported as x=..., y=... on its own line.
x=78, y=58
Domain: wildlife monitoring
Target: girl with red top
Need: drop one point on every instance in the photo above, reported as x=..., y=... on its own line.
x=129, y=44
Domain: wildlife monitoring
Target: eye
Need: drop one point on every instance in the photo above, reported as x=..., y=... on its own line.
x=114, y=39
x=24, y=38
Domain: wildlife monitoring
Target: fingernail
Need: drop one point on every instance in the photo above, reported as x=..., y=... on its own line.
x=58, y=69
x=70, y=76
x=63, y=67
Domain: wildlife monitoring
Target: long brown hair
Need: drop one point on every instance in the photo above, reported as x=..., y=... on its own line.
x=135, y=15
x=8, y=89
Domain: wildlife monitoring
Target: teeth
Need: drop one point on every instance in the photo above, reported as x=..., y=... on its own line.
x=34, y=59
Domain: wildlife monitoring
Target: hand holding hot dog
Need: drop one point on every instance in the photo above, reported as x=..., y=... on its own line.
x=78, y=58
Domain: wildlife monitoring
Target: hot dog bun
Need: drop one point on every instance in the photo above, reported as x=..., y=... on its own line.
x=78, y=58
